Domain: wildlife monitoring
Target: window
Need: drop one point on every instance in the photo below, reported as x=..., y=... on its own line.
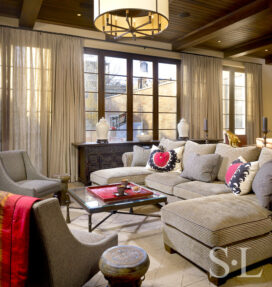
x=234, y=101
x=91, y=94
x=142, y=97
x=167, y=100
x=136, y=94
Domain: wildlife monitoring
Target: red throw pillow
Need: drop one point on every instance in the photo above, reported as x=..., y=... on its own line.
x=164, y=161
x=240, y=175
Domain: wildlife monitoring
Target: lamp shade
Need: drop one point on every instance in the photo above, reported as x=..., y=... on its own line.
x=123, y=18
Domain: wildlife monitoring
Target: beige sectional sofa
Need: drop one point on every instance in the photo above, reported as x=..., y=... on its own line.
x=202, y=216
x=171, y=183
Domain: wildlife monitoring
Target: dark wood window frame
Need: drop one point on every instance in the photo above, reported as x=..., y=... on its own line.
x=130, y=57
x=232, y=71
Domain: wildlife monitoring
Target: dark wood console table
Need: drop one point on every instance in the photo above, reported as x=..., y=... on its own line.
x=94, y=156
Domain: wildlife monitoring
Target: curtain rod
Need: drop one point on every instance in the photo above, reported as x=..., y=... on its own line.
x=125, y=44
x=88, y=38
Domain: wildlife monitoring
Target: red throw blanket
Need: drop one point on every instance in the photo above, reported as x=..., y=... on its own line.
x=14, y=238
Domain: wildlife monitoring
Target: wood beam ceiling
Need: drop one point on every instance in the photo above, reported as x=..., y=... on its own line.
x=29, y=13
x=210, y=30
x=268, y=60
x=249, y=47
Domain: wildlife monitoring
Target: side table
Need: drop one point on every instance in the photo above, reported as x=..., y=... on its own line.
x=64, y=196
x=124, y=265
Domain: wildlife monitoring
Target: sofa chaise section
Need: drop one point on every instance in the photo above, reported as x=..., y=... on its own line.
x=135, y=174
x=224, y=221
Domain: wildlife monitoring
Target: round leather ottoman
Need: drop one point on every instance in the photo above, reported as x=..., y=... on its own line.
x=124, y=265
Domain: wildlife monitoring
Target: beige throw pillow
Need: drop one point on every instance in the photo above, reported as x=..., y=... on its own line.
x=201, y=149
x=140, y=156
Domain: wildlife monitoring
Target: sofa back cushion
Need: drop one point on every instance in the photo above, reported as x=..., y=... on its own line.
x=201, y=167
x=192, y=147
x=229, y=154
x=262, y=185
x=265, y=156
x=14, y=165
x=169, y=144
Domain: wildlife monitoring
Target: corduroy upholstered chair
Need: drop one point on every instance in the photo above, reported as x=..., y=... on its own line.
x=60, y=257
x=18, y=175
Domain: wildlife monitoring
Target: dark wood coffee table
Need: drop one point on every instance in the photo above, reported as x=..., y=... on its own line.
x=94, y=205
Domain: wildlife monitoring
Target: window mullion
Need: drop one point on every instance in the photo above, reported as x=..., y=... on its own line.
x=101, y=85
x=155, y=100
x=129, y=99
x=232, y=103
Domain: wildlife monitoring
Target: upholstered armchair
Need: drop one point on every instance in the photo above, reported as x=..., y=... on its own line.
x=18, y=175
x=60, y=257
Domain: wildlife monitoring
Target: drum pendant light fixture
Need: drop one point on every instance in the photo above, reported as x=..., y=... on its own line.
x=131, y=18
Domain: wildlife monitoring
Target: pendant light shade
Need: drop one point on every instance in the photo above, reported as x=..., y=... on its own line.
x=131, y=19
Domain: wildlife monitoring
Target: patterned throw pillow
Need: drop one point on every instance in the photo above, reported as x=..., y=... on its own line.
x=162, y=160
x=240, y=175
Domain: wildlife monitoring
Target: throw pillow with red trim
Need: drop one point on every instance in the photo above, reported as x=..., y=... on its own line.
x=240, y=175
x=161, y=160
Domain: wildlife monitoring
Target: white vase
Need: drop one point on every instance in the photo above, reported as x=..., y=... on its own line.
x=102, y=129
x=183, y=128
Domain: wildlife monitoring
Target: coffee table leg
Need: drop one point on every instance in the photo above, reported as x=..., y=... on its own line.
x=90, y=222
x=68, y=220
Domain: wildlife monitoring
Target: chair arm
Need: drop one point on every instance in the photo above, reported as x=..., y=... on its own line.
x=32, y=172
x=72, y=261
x=92, y=251
x=7, y=184
x=127, y=158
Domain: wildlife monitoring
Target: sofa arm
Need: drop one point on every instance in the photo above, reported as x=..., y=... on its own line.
x=127, y=158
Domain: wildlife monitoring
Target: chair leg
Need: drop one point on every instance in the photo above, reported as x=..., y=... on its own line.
x=169, y=249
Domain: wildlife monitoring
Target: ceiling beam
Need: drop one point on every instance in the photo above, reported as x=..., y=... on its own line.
x=249, y=47
x=268, y=60
x=30, y=12
x=210, y=30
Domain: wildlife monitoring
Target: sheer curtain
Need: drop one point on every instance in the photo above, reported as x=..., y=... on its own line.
x=253, y=101
x=202, y=94
x=30, y=95
x=68, y=107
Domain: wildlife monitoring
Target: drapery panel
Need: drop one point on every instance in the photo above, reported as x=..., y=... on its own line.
x=202, y=94
x=33, y=112
x=254, y=107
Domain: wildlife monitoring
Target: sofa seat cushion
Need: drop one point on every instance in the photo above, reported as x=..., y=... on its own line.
x=195, y=189
x=164, y=182
x=219, y=220
x=41, y=187
x=135, y=174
